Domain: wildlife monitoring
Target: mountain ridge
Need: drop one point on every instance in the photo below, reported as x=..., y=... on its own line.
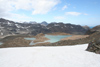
x=8, y=27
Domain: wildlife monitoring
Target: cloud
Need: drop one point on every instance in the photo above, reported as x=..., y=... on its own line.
x=59, y=17
x=21, y=17
x=5, y=7
x=43, y=6
x=64, y=7
x=85, y=14
x=73, y=13
x=18, y=17
x=35, y=6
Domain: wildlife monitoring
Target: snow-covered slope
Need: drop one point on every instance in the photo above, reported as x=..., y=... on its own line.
x=61, y=56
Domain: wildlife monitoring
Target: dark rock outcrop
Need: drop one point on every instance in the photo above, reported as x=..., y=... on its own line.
x=94, y=46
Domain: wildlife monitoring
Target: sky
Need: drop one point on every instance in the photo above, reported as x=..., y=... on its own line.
x=80, y=12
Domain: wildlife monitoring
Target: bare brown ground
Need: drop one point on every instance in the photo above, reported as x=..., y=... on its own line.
x=58, y=33
x=40, y=38
x=17, y=42
x=41, y=44
x=74, y=37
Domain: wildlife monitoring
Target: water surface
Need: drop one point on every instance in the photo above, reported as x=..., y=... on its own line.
x=55, y=38
x=1, y=43
x=52, y=38
x=29, y=38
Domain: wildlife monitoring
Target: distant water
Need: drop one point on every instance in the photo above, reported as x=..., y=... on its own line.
x=1, y=43
x=91, y=27
x=32, y=39
x=29, y=38
x=55, y=38
x=51, y=37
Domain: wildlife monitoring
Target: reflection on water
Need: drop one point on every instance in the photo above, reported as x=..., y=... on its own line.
x=52, y=38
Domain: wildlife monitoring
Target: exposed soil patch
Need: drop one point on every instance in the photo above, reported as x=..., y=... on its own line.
x=16, y=42
x=40, y=38
x=58, y=33
x=74, y=37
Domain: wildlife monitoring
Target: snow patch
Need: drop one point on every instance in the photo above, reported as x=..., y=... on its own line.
x=62, y=56
x=56, y=25
x=9, y=24
x=1, y=33
x=18, y=26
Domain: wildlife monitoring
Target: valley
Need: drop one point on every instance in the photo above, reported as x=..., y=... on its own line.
x=49, y=33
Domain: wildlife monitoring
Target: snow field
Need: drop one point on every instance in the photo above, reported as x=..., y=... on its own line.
x=60, y=56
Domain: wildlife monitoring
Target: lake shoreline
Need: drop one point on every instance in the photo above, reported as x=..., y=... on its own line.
x=17, y=41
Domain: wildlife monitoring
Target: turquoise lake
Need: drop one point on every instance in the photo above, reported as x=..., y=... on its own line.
x=29, y=38
x=56, y=38
x=52, y=38
x=1, y=43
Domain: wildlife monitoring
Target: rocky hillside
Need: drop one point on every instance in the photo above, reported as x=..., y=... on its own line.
x=93, y=30
x=94, y=44
x=86, y=27
x=67, y=28
x=8, y=27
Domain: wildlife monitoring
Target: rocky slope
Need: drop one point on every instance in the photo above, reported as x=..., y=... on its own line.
x=67, y=28
x=86, y=27
x=94, y=44
x=11, y=28
x=93, y=30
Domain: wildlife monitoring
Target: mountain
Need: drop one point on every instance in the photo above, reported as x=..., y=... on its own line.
x=67, y=28
x=93, y=30
x=8, y=27
x=44, y=23
x=86, y=27
x=11, y=28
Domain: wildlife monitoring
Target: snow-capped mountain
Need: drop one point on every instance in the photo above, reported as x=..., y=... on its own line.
x=8, y=27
